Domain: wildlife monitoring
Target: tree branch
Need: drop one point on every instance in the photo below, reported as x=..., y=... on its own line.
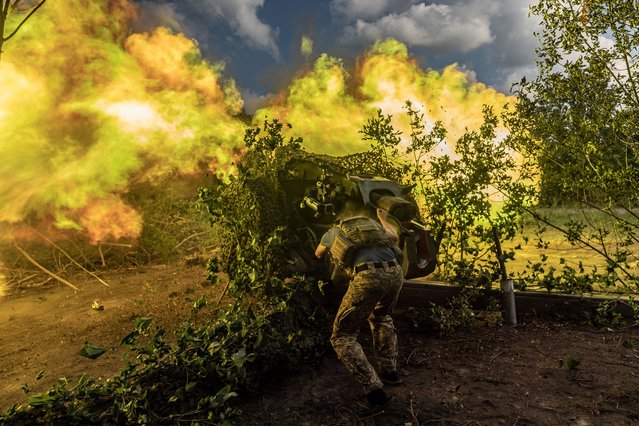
x=24, y=20
x=624, y=51
x=43, y=269
x=69, y=257
x=582, y=241
x=591, y=49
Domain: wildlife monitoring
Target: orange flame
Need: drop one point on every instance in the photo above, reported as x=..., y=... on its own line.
x=109, y=219
x=86, y=109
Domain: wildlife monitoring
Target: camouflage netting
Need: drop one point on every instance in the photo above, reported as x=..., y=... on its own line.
x=255, y=204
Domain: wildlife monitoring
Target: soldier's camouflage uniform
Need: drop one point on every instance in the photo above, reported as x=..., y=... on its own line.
x=371, y=296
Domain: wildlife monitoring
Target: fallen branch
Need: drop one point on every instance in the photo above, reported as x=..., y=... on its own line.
x=43, y=269
x=189, y=237
x=226, y=287
x=411, y=355
x=412, y=412
x=70, y=258
x=27, y=278
x=116, y=244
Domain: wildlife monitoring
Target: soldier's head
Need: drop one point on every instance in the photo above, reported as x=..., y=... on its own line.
x=352, y=208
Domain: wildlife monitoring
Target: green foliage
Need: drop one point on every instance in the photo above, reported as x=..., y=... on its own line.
x=457, y=314
x=607, y=315
x=90, y=351
x=583, y=105
x=455, y=191
x=570, y=363
x=248, y=212
x=270, y=140
x=577, y=122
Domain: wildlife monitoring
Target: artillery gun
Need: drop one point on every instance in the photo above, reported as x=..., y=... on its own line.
x=304, y=193
x=315, y=192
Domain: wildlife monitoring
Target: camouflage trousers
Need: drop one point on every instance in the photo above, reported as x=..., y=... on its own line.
x=371, y=296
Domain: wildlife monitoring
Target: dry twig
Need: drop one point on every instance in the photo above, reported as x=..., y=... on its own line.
x=498, y=354
x=226, y=287
x=27, y=278
x=101, y=254
x=71, y=259
x=43, y=269
x=189, y=237
x=413, y=414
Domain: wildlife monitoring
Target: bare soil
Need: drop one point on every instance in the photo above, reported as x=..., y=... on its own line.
x=540, y=372
x=44, y=328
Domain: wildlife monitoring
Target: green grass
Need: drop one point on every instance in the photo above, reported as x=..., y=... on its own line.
x=560, y=251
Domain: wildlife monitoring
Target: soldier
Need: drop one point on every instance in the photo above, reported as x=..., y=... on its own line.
x=376, y=278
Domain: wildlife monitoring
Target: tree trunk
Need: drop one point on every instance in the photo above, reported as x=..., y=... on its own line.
x=6, y=5
x=3, y=20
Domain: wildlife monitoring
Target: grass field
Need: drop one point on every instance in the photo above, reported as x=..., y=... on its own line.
x=560, y=251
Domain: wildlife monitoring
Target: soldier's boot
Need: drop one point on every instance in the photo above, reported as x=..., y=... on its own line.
x=377, y=399
x=391, y=378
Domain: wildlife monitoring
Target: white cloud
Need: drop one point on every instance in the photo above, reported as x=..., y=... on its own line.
x=459, y=27
x=515, y=76
x=514, y=41
x=153, y=15
x=199, y=18
x=254, y=101
x=513, y=49
x=491, y=34
x=242, y=17
x=351, y=10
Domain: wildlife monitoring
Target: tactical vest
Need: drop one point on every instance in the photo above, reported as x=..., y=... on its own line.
x=356, y=233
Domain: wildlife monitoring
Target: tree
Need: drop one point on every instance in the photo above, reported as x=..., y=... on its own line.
x=10, y=7
x=583, y=107
x=579, y=120
x=456, y=192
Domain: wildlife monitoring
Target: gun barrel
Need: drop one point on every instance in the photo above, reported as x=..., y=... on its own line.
x=316, y=206
x=399, y=207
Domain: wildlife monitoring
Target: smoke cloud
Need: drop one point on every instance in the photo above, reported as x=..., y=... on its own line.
x=87, y=109
x=328, y=106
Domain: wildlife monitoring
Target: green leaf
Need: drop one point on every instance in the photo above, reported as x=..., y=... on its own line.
x=572, y=363
x=41, y=400
x=201, y=302
x=130, y=338
x=213, y=347
x=91, y=352
x=258, y=341
x=142, y=323
x=225, y=394
x=39, y=375
x=239, y=358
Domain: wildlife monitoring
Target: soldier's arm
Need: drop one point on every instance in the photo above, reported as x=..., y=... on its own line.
x=325, y=243
x=382, y=215
x=320, y=250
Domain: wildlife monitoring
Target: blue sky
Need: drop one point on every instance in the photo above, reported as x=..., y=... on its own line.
x=259, y=40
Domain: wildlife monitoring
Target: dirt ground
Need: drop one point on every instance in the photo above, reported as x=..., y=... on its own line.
x=44, y=328
x=540, y=372
x=479, y=376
